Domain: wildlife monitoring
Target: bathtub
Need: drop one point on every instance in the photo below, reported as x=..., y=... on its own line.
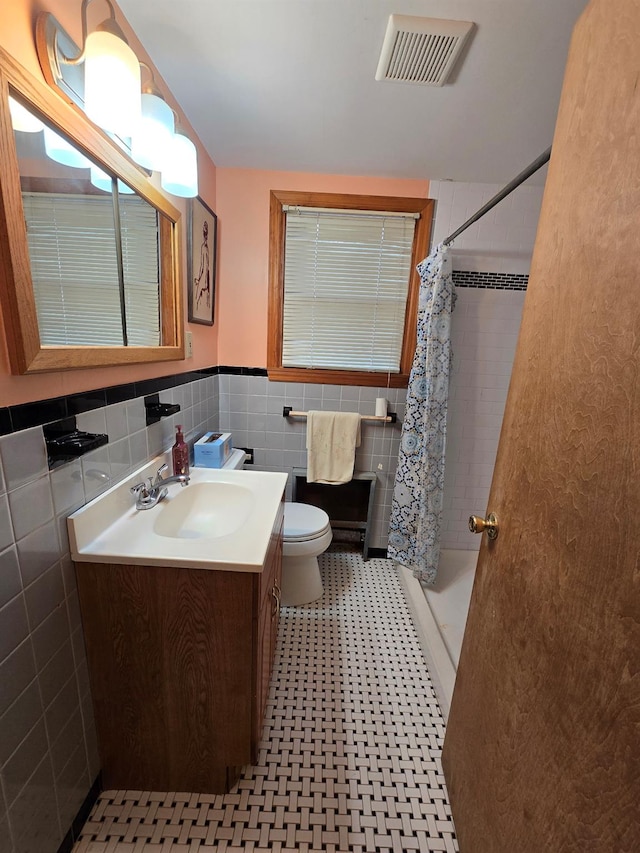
x=440, y=613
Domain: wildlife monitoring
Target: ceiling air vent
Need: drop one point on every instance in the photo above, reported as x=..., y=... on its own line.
x=421, y=50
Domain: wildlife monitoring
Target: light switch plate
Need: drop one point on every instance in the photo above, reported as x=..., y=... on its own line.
x=188, y=344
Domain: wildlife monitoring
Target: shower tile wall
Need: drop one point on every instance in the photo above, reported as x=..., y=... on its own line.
x=251, y=408
x=485, y=327
x=484, y=332
x=48, y=755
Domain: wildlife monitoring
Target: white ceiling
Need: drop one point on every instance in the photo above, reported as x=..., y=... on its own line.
x=289, y=84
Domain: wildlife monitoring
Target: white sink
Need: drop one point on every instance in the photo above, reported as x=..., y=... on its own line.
x=222, y=520
x=203, y=511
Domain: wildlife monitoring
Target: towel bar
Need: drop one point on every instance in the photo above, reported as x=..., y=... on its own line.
x=391, y=417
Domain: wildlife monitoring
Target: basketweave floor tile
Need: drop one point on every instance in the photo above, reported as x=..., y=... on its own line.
x=350, y=756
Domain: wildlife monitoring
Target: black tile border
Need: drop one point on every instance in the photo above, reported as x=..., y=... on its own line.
x=40, y=412
x=33, y=414
x=242, y=371
x=490, y=280
x=66, y=845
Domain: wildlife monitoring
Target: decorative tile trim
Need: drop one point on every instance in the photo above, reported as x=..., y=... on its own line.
x=490, y=280
x=40, y=412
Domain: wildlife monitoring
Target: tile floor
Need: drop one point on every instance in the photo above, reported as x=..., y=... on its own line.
x=350, y=758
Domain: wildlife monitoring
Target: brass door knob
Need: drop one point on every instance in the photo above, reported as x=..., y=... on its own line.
x=479, y=525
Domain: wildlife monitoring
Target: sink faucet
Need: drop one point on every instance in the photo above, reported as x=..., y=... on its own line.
x=150, y=492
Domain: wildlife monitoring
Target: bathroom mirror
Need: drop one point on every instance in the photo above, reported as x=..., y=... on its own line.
x=88, y=246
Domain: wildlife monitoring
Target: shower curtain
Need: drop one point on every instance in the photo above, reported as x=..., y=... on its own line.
x=416, y=511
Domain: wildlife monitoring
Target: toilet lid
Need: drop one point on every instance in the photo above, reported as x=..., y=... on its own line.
x=303, y=521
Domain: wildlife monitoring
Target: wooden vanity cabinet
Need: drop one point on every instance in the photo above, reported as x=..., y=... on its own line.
x=179, y=664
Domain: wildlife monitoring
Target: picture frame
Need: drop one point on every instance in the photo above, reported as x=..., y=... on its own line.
x=202, y=234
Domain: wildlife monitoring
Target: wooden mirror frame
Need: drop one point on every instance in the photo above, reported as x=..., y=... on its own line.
x=26, y=352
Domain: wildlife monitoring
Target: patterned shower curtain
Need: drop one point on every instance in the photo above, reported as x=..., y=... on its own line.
x=416, y=511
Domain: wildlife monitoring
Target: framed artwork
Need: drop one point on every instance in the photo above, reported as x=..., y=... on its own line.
x=202, y=228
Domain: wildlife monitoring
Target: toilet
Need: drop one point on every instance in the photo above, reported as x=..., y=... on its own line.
x=307, y=534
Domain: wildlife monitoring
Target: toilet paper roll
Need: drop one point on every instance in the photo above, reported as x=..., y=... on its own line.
x=381, y=407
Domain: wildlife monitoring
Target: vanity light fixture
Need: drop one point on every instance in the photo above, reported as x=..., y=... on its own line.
x=103, y=77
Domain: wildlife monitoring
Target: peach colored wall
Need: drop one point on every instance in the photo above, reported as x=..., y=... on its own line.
x=16, y=37
x=243, y=210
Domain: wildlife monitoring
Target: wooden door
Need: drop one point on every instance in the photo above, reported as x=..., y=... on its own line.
x=543, y=740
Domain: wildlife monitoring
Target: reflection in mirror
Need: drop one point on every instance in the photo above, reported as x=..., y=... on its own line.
x=93, y=243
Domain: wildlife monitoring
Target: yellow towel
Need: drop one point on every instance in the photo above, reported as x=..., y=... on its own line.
x=332, y=438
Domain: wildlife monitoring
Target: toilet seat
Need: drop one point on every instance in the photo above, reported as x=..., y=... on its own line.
x=304, y=523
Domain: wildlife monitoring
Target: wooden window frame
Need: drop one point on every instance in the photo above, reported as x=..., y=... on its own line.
x=277, y=226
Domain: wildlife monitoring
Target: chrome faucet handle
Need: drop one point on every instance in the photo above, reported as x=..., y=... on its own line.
x=140, y=489
x=160, y=472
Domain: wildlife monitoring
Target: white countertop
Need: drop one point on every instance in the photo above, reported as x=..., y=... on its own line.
x=109, y=529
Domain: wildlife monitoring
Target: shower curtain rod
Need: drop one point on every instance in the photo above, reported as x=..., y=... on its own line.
x=510, y=187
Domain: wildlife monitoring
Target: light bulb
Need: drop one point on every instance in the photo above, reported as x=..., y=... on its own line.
x=152, y=140
x=22, y=119
x=64, y=152
x=102, y=181
x=180, y=172
x=111, y=83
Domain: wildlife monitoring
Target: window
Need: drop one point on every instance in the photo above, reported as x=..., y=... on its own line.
x=343, y=286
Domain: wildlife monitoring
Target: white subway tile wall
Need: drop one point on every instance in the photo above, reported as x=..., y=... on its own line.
x=483, y=337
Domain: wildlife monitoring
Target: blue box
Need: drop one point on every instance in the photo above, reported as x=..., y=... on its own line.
x=212, y=450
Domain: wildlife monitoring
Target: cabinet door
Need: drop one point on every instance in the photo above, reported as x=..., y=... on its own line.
x=170, y=651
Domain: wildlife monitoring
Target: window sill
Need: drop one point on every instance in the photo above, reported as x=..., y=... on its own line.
x=337, y=377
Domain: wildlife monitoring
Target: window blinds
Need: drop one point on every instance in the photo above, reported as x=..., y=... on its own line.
x=346, y=280
x=75, y=271
x=140, y=252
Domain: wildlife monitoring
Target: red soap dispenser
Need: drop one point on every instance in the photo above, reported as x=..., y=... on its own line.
x=180, y=453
